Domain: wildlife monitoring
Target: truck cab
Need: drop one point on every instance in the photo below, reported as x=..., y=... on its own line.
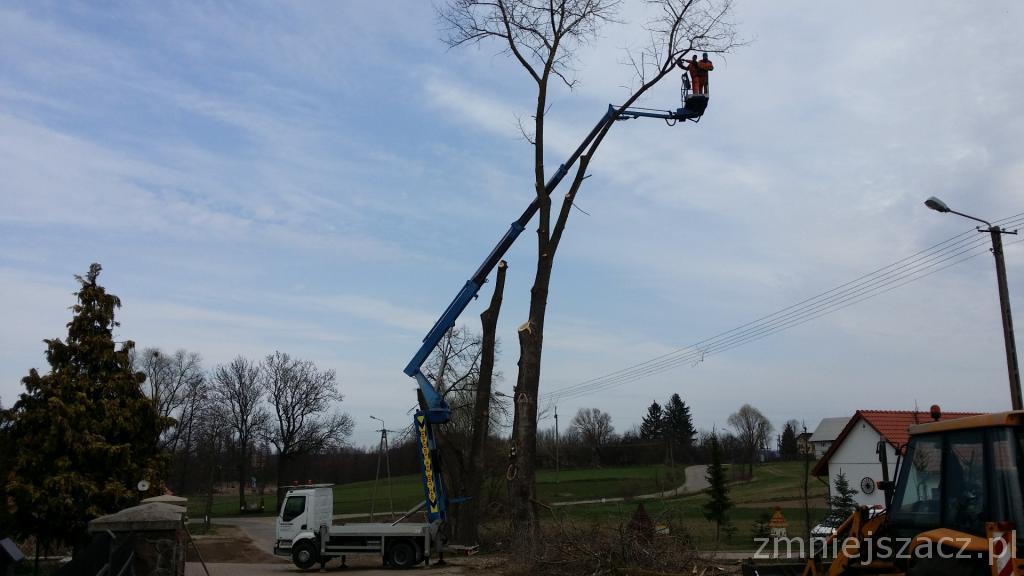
x=305, y=509
x=305, y=532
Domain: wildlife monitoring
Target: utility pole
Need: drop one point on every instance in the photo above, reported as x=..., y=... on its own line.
x=383, y=454
x=1004, y=305
x=1004, y=297
x=557, y=464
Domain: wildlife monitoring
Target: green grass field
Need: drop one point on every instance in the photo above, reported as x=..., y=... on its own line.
x=776, y=484
x=407, y=491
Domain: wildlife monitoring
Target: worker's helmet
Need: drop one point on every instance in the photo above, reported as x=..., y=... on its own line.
x=705, y=56
x=695, y=57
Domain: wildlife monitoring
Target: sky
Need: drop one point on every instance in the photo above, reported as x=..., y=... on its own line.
x=321, y=178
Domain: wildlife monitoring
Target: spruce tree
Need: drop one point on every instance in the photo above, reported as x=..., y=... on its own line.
x=679, y=428
x=716, y=509
x=652, y=426
x=788, y=448
x=87, y=432
x=7, y=449
x=841, y=503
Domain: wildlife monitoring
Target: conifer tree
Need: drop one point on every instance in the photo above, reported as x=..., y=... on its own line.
x=679, y=428
x=652, y=426
x=88, y=432
x=841, y=503
x=717, y=508
x=788, y=447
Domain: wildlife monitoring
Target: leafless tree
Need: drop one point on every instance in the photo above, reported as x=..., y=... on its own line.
x=468, y=529
x=168, y=381
x=190, y=416
x=238, y=391
x=543, y=37
x=753, y=430
x=454, y=368
x=595, y=427
x=304, y=420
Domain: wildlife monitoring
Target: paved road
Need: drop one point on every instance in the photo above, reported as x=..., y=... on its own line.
x=694, y=482
x=259, y=528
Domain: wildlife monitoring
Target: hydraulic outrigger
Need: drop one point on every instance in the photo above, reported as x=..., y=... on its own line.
x=437, y=410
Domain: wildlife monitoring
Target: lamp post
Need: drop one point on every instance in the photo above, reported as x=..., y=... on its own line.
x=1004, y=298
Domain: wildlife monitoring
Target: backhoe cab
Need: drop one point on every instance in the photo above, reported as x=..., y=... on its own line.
x=955, y=508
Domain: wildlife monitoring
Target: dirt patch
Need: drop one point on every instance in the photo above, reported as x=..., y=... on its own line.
x=230, y=545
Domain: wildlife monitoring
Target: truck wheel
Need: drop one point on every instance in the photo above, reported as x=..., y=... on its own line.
x=402, y=554
x=304, y=554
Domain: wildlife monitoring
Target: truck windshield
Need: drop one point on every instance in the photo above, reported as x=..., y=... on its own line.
x=293, y=506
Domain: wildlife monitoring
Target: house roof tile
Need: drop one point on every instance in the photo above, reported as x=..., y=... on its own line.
x=892, y=425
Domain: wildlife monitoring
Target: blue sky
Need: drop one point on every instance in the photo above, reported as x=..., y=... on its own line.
x=321, y=177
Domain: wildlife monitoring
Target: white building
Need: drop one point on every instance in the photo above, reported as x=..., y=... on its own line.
x=854, y=452
x=826, y=433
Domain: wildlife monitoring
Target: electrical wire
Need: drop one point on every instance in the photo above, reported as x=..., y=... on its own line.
x=924, y=263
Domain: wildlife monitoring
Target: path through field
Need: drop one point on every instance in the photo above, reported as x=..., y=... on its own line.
x=693, y=483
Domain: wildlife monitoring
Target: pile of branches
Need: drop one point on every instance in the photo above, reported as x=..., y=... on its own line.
x=637, y=546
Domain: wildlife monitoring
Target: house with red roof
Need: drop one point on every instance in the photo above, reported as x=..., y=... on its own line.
x=855, y=451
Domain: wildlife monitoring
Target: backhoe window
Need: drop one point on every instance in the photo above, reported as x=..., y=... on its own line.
x=293, y=506
x=918, y=503
x=1006, y=501
x=965, y=481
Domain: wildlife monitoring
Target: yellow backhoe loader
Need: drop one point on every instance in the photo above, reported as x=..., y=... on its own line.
x=955, y=508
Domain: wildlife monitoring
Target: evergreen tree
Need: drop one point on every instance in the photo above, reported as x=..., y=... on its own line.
x=679, y=428
x=788, y=448
x=6, y=455
x=841, y=503
x=652, y=426
x=91, y=434
x=760, y=528
x=716, y=509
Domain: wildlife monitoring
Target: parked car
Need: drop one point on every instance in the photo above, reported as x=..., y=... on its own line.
x=828, y=526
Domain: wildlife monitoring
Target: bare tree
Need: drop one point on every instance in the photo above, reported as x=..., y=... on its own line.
x=543, y=37
x=469, y=528
x=753, y=430
x=190, y=416
x=238, y=391
x=454, y=369
x=302, y=397
x=595, y=427
x=168, y=380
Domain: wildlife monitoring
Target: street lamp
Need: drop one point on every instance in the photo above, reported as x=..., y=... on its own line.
x=1004, y=299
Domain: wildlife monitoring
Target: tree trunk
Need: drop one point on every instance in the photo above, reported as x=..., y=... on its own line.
x=243, y=467
x=282, y=479
x=186, y=453
x=522, y=487
x=468, y=529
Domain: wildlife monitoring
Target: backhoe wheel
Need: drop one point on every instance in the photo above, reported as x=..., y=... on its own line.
x=305, y=555
x=948, y=567
x=402, y=554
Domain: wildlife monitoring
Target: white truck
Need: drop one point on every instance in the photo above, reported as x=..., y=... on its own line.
x=307, y=534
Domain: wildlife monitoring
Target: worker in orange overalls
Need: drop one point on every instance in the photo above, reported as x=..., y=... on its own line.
x=693, y=67
x=704, y=66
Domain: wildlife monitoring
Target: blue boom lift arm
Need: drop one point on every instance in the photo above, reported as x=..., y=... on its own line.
x=437, y=410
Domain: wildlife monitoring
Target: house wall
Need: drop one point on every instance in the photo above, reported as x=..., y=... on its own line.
x=857, y=458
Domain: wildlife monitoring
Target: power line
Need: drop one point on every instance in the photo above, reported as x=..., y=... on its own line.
x=924, y=263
